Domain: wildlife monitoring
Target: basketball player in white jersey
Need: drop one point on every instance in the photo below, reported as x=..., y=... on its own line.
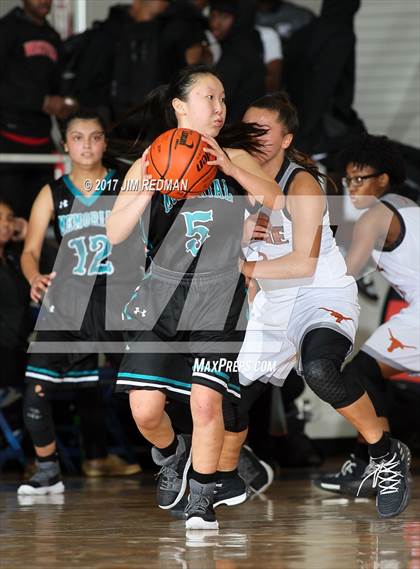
x=305, y=313
x=388, y=231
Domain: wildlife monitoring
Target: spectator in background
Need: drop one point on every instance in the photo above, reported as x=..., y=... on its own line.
x=138, y=47
x=15, y=318
x=241, y=65
x=30, y=51
x=321, y=61
x=272, y=51
x=285, y=17
x=202, y=5
x=272, y=57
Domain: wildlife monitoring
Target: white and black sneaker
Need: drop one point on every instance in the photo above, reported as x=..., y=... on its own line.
x=257, y=474
x=172, y=477
x=46, y=480
x=347, y=480
x=390, y=475
x=199, y=511
x=230, y=491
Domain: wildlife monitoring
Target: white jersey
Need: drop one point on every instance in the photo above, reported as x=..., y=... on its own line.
x=400, y=264
x=284, y=311
x=331, y=268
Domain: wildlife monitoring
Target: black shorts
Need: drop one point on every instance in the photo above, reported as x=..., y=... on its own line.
x=184, y=330
x=63, y=364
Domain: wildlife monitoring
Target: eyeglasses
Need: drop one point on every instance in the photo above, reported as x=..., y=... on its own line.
x=357, y=181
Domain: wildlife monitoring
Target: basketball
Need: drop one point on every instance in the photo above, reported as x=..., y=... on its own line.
x=178, y=163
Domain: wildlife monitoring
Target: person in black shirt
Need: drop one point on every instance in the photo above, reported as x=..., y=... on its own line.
x=30, y=54
x=232, y=23
x=138, y=47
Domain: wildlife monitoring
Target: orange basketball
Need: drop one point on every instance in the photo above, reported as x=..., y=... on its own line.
x=178, y=164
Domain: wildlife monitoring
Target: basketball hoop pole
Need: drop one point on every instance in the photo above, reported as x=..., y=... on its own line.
x=79, y=16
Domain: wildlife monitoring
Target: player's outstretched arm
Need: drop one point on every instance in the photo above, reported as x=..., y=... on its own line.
x=130, y=203
x=241, y=166
x=306, y=205
x=369, y=232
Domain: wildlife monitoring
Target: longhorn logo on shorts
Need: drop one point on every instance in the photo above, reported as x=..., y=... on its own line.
x=334, y=314
x=395, y=343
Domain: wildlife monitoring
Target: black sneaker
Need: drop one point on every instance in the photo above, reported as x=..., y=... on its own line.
x=367, y=288
x=46, y=480
x=230, y=491
x=199, y=510
x=257, y=474
x=347, y=480
x=172, y=477
x=391, y=477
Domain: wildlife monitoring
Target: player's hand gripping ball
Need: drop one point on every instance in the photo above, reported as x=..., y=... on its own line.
x=178, y=163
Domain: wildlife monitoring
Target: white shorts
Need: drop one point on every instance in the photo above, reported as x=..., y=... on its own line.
x=279, y=322
x=397, y=341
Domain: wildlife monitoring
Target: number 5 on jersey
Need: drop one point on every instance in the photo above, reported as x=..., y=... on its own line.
x=198, y=233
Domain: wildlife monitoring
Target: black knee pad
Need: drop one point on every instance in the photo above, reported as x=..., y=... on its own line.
x=365, y=370
x=37, y=415
x=325, y=343
x=323, y=353
x=325, y=380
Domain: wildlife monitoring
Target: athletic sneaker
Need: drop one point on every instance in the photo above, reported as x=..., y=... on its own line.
x=366, y=287
x=46, y=480
x=257, y=474
x=200, y=511
x=172, y=477
x=230, y=491
x=390, y=475
x=347, y=480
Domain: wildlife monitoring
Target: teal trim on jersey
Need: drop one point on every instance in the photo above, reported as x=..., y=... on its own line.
x=124, y=312
x=82, y=373
x=87, y=201
x=152, y=378
x=220, y=374
x=44, y=371
x=144, y=238
x=235, y=387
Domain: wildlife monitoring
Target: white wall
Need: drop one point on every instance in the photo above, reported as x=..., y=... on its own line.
x=388, y=66
x=6, y=5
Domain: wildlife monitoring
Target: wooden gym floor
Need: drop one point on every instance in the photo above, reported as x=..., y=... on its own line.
x=114, y=523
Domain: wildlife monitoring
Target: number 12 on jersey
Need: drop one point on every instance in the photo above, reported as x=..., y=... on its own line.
x=101, y=249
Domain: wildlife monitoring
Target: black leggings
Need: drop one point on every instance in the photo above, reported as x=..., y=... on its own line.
x=38, y=417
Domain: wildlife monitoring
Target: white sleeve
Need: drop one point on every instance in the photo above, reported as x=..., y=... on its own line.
x=271, y=44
